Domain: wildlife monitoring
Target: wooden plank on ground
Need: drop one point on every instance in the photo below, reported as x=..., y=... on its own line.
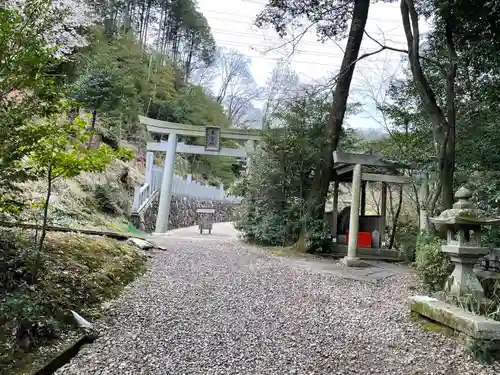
x=52, y=228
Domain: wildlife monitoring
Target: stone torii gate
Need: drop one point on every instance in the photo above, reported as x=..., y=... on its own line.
x=212, y=135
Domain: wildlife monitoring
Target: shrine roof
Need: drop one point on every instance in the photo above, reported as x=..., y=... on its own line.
x=346, y=158
x=373, y=167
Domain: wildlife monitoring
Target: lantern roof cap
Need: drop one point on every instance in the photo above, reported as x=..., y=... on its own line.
x=464, y=212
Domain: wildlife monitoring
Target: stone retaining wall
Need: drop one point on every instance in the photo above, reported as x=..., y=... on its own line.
x=182, y=213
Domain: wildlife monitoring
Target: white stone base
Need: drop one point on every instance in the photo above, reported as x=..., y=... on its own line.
x=353, y=262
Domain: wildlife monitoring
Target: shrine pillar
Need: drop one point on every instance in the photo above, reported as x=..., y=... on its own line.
x=352, y=248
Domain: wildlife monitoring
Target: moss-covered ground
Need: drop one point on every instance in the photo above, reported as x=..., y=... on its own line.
x=77, y=272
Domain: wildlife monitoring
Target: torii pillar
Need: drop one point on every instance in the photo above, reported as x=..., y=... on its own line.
x=166, y=185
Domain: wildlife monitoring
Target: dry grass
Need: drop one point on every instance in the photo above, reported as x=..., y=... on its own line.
x=75, y=203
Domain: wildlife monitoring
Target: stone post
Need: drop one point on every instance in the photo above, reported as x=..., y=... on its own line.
x=166, y=185
x=250, y=148
x=221, y=192
x=149, y=166
x=351, y=259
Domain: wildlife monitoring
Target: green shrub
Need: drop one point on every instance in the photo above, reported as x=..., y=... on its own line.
x=406, y=239
x=281, y=175
x=15, y=257
x=29, y=320
x=281, y=178
x=432, y=264
x=238, y=187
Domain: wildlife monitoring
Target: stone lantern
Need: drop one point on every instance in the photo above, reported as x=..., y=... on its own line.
x=464, y=225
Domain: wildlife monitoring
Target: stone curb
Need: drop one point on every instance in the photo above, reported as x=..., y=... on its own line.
x=65, y=355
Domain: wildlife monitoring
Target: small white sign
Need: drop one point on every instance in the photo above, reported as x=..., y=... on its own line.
x=205, y=211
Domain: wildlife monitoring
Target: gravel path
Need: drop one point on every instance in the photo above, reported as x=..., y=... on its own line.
x=215, y=306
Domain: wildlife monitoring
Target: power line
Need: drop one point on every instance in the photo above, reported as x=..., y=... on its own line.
x=376, y=34
x=250, y=20
x=285, y=43
x=243, y=19
x=297, y=52
x=251, y=35
x=265, y=2
x=228, y=20
x=314, y=63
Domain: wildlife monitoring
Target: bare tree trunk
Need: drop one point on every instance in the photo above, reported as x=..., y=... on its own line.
x=92, y=127
x=189, y=59
x=449, y=163
x=145, y=31
x=324, y=169
x=142, y=22
x=395, y=218
x=444, y=127
x=375, y=199
x=159, y=42
x=38, y=260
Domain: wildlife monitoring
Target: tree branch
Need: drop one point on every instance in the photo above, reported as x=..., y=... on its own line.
x=294, y=42
x=412, y=33
x=384, y=46
x=331, y=82
x=441, y=66
x=435, y=197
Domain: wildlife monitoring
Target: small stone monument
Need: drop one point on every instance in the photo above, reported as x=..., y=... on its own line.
x=376, y=239
x=464, y=225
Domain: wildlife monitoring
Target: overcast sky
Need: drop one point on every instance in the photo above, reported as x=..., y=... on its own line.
x=231, y=22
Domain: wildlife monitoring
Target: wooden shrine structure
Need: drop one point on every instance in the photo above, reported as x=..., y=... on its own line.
x=363, y=235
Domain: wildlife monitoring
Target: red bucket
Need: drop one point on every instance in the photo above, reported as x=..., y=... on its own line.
x=364, y=239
